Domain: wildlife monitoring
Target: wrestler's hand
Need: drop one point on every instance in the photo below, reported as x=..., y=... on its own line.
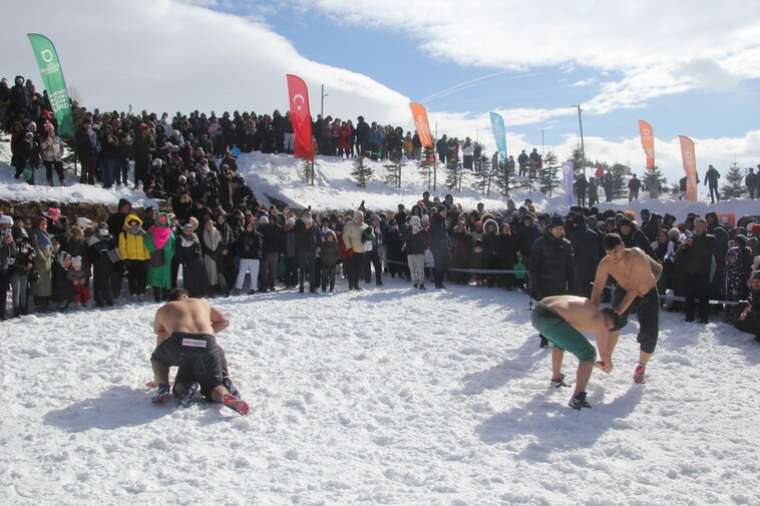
x=604, y=366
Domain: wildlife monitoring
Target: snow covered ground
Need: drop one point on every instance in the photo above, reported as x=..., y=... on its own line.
x=73, y=192
x=280, y=177
x=386, y=396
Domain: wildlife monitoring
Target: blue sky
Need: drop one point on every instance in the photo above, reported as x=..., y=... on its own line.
x=689, y=71
x=394, y=57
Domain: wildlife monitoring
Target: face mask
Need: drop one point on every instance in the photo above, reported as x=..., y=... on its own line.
x=325, y=229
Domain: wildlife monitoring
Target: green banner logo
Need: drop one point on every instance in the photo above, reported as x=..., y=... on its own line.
x=52, y=79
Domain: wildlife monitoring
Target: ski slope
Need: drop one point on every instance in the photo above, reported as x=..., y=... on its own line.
x=385, y=396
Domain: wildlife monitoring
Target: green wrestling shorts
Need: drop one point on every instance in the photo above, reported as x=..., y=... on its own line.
x=561, y=334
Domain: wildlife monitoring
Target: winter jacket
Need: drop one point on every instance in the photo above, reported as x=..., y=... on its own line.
x=99, y=246
x=352, y=236
x=329, y=253
x=188, y=252
x=160, y=277
x=440, y=236
x=51, y=148
x=415, y=244
x=587, y=250
x=306, y=239
x=273, y=237
x=131, y=244
x=249, y=245
x=551, y=267
x=43, y=263
x=637, y=239
x=697, y=258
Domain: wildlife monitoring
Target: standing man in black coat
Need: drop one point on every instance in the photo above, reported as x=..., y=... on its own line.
x=362, y=136
x=696, y=254
x=440, y=244
x=551, y=267
x=587, y=249
x=711, y=177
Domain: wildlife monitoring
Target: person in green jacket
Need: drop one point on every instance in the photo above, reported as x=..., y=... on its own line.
x=160, y=243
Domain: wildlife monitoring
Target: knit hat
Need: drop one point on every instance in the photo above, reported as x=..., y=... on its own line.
x=6, y=220
x=556, y=221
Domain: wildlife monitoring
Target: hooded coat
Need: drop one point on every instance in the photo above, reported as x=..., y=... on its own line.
x=161, y=276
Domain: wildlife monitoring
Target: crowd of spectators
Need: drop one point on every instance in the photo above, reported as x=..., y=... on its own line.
x=215, y=232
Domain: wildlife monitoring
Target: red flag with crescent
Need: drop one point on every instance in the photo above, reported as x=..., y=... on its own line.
x=300, y=117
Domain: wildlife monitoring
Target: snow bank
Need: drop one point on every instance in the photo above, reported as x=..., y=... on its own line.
x=15, y=190
x=362, y=399
x=279, y=177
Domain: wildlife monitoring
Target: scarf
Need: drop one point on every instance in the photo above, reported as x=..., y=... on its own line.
x=188, y=241
x=160, y=235
x=212, y=239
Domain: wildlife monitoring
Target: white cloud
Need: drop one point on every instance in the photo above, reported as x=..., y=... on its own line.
x=166, y=55
x=660, y=47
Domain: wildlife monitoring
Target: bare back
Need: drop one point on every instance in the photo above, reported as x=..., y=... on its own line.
x=579, y=312
x=194, y=316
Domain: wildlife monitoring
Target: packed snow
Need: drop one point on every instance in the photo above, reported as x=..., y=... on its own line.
x=17, y=190
x=385, y=396
x=280, y=177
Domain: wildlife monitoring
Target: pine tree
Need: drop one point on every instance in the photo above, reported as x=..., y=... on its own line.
x=453, y=175
x=504, y=176
x=619, y=185
x=393, y=177
x=549, y=174
x=362, y=172
x=654, y=182
x=579, y=161
x=307, y=172
x=485, y=175
x=734, y=187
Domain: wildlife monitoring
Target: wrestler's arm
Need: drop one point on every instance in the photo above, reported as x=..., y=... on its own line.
x=600, y=280
x=161, y=333
x=218, y=321
x=630, y=296
x=603, y=345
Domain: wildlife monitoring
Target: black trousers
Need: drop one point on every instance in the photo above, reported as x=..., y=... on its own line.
x=53, y=166
x=714, y=195
x=697, y=287
x=115, y=278
x=354, y=268
x=137, y=272
x=372, y=258
x=102, y=287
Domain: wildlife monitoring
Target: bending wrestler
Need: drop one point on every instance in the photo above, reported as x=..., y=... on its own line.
x=562, y=319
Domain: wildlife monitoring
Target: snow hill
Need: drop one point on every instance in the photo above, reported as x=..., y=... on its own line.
x=279, y=177
x=387, y=396
x=19, y=191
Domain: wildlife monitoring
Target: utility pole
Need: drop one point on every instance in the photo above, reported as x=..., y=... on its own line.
x=580, y=125
x=543, y=149
x=322, y=103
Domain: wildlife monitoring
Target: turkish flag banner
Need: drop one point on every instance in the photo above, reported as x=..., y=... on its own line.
x=689, y=167
x=300, y=117
x=647, y=142
x=421, y=124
